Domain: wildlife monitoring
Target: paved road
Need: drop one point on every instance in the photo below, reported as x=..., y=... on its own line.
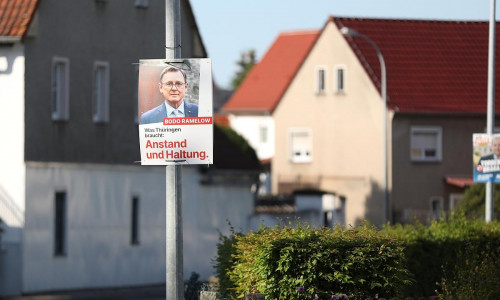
x=156, y=292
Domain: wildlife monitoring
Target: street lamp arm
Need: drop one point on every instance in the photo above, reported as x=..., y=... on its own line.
x=353, y=33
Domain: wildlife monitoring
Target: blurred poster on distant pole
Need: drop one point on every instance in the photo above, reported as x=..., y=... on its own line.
x=486, y=157
x=175, y=111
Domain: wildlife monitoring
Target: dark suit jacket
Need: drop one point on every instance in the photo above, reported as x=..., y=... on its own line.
x=157, y=114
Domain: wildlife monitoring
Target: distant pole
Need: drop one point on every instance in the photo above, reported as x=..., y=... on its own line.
x=491, y=105
x=173, y=206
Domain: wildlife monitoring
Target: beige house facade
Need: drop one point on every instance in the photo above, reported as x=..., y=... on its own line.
x=329, y=138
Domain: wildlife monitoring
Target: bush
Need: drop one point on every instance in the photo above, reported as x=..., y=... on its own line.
x=455, y=259
x=472, y=202
x=446, y=253
x=302, y=262
x=475, y=275
x=224, y=262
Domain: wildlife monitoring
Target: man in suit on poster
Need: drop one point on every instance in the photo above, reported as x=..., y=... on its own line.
x=173, y=85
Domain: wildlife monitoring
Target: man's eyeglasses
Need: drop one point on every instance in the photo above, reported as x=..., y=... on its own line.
x=170, y=85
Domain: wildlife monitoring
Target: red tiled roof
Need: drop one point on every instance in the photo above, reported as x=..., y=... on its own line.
x=221, y=119
x=264, y=86
x=432, y=66
x=15, y=16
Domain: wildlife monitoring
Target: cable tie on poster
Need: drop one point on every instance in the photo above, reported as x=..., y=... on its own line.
x=173, y=48
x=175, y=160
x=183, y=65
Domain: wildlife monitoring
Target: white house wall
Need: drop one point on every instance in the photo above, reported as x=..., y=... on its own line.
x=207, y=209
x=98, y=219
x=12, y=175
x=249, y=127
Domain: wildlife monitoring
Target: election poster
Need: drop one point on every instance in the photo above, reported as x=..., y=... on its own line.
x=486, y=157
x=175, y=111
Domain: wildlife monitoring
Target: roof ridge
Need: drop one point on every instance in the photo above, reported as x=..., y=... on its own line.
x=299, y=32
x=406, y=20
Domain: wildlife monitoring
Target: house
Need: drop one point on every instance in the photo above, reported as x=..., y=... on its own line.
x=78, y=210
x=320, y=90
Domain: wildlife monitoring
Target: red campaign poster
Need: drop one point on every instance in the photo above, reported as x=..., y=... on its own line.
x=175, y=111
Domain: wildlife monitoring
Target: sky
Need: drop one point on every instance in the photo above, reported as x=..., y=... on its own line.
x=231, y=27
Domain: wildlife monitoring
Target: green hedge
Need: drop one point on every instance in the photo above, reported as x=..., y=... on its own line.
x=443, y=258
x=302, y=263
x=455, y=259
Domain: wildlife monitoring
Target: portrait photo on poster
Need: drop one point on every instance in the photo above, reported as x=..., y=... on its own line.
x=175, y=111
x=169, y=89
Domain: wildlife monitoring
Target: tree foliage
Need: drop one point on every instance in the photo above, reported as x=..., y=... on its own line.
x=246, y=63
x=472, y=203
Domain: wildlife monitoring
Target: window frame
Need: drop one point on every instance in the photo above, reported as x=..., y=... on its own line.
x=263, y=134
x=302, y=158
x=135, y=221
x=141, y=3
x=436, y=214
x=60, y=89
x=439, y=143
x=320, y=90
x=60, y=223
x=338, y=68
x=454, y=198
x=100, y=92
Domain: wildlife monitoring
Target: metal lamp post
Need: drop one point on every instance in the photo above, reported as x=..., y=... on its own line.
x=490, y=119
x=353, y=33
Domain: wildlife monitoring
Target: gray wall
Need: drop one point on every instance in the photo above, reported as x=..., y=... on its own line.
x=86, y=31
x=98, y=222
x=10, y=261
x=414, y=183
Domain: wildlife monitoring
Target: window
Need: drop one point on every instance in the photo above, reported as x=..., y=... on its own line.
x=339, y=79
x=263, y=134
x=60, y=89
x=60, y=224
x=425, y=143
x=100, y=103
x=141, y=3
x=320, y=80
x=134, y=228
x=436, y=207
x=454, y=199
x=300, y=146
